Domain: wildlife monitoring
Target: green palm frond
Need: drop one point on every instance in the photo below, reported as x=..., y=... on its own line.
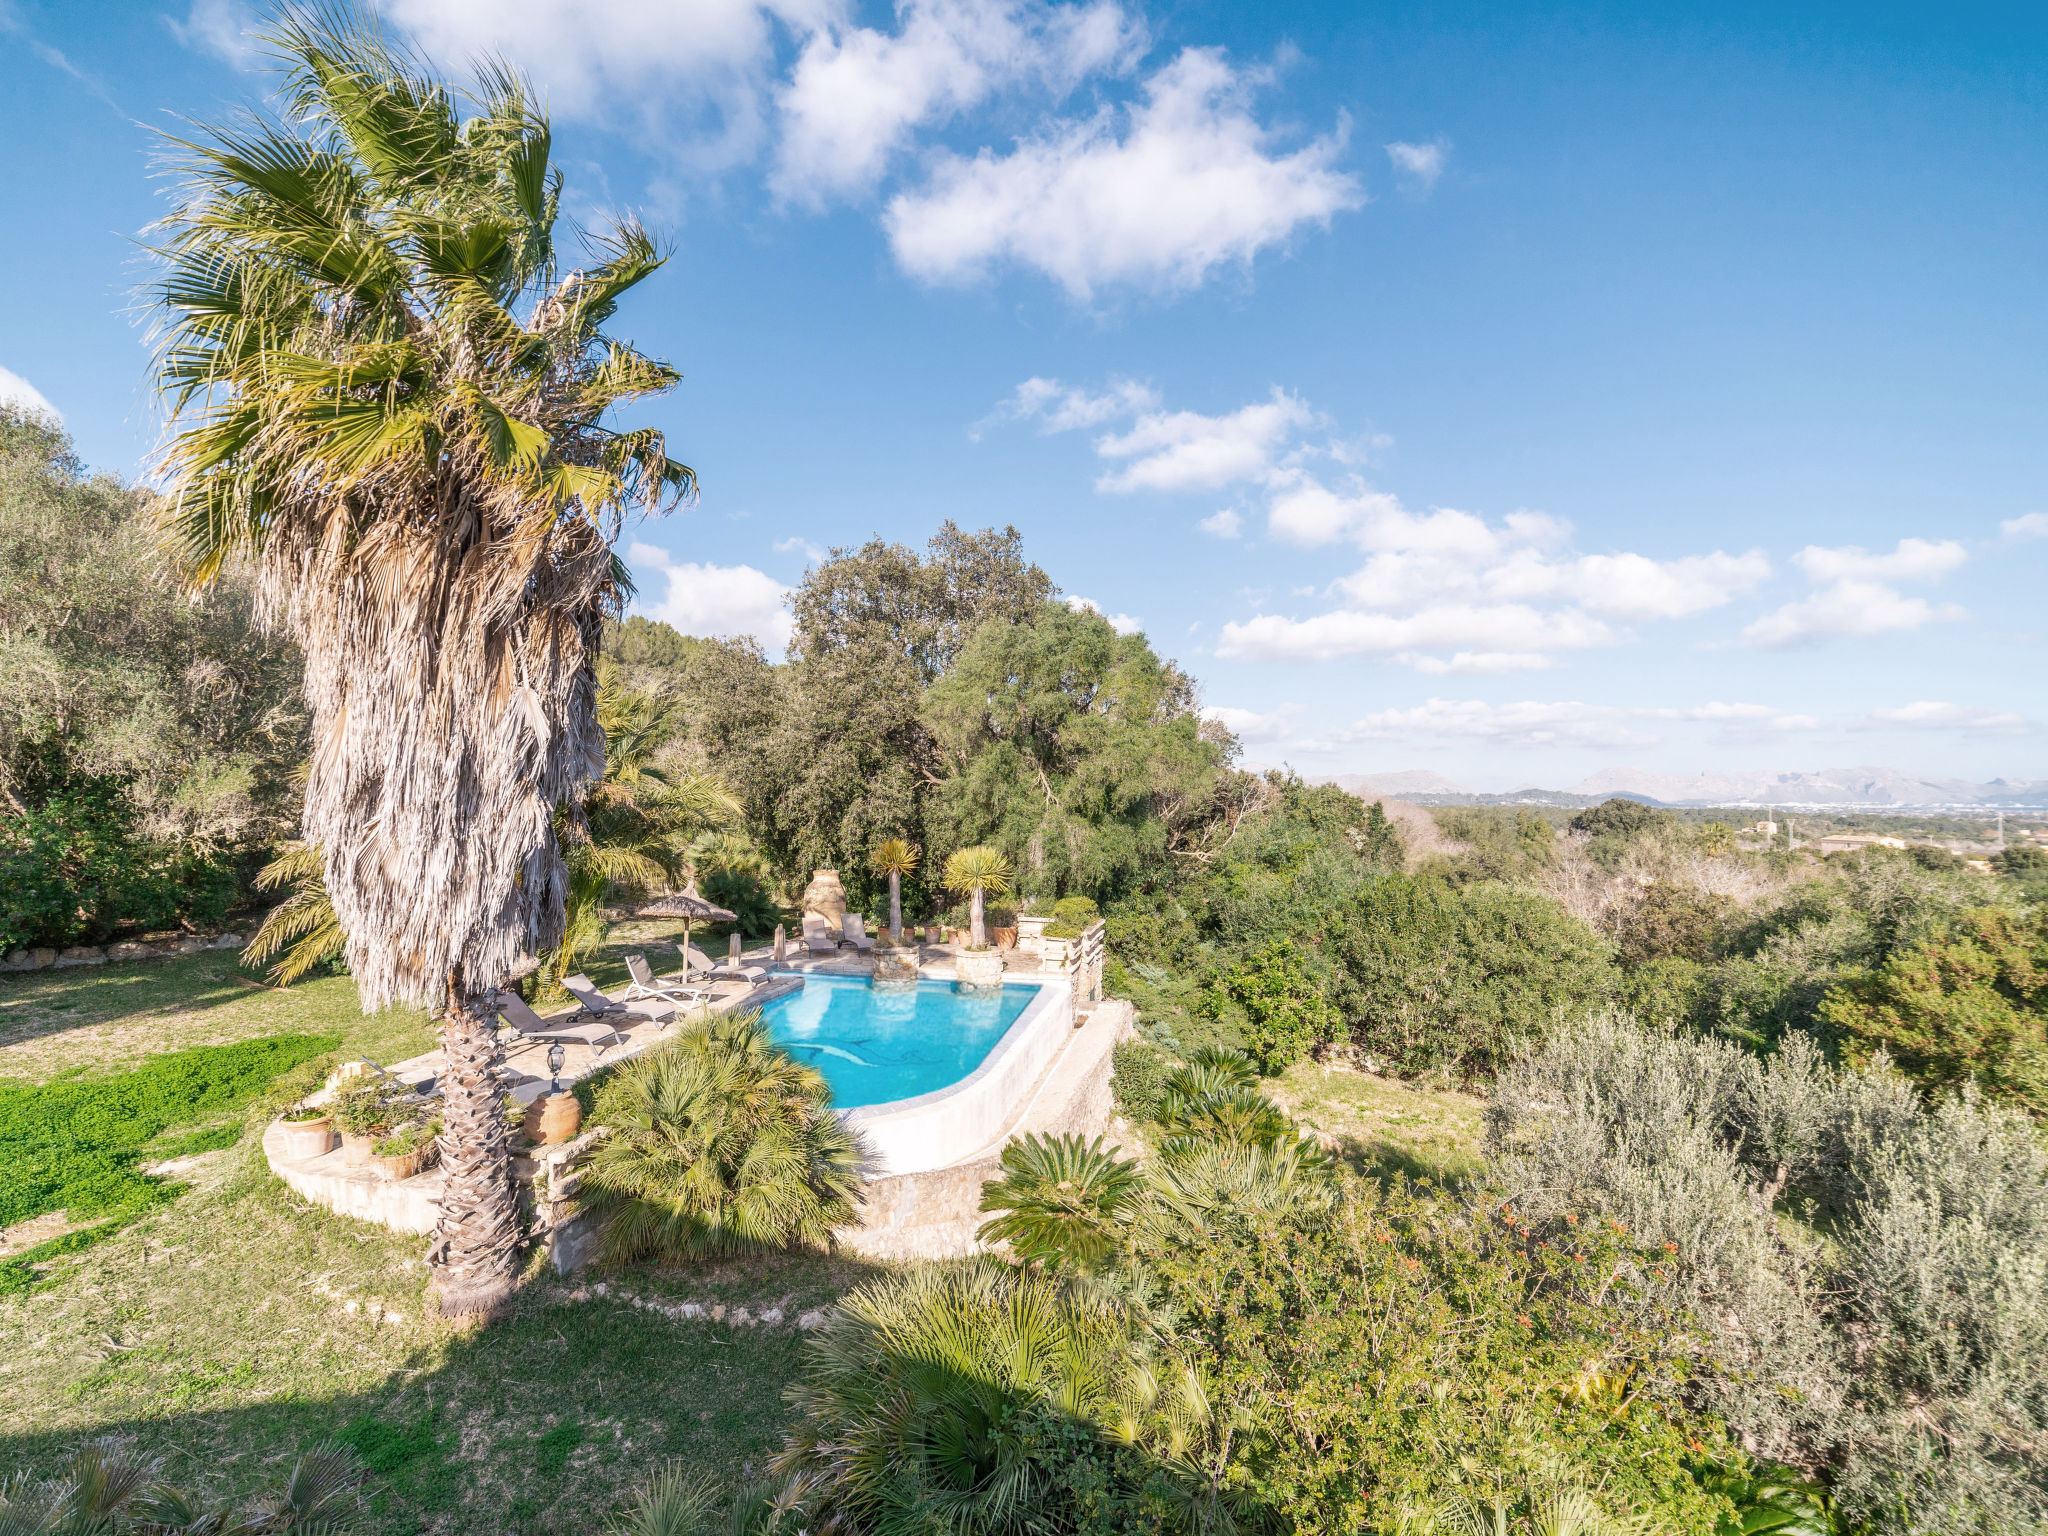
x=721, y=1142
x=979, y=869
x=1062, y=1200
x=894, y=856
x=303, y=927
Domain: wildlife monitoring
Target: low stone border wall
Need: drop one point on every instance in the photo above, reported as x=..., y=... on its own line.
x=94, y=954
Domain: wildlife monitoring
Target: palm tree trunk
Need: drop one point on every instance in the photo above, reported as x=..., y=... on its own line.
x=475, y=1255
x=979, y=933
x=895, y=907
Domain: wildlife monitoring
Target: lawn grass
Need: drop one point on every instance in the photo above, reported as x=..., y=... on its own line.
x=239, y=1326
x=242, y=1326
x=1384, y=1126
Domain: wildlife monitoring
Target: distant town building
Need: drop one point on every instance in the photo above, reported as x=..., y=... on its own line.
x=1851, y=842
x=1764, y=829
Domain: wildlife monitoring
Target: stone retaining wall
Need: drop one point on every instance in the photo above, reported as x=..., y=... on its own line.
x=94, y=954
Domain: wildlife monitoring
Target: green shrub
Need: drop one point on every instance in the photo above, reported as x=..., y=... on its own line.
x=72, y=1145
x=1138, y=1080
x=1665, y=991
x=1285, y=1013
x=1968, y=1008
x=1403, y=1347
x=720, y=1142
x=1071, y=916
x=1432, y=977
x=986, y=1399
x=1926, y=1304
x=75, y=870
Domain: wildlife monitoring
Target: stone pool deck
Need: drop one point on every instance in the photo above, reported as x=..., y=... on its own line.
x=928, y=1213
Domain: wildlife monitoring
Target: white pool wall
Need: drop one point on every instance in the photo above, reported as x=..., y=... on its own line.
x=951, y=1124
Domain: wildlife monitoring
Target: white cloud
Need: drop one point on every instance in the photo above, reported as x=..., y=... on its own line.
x=1122, y=623
x=17, y=391
x=856, y=95
x=1930, y=715
x=1158, y=196
x=1057, y=407
x=1185, y=450
x=1743, y=722
x=1419, y=165
x=1474, y=661
x=1913, y=560
x=2032, y=526
x=1497, y=629
x=696, y=75
x=223, y=28
x=795, y=545
x=1252, y=727
x=1225, y=524
x=1525, y=724
x=716, y=600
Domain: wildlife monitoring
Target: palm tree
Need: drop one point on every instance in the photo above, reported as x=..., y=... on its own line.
x=721, y=1142
x=386, y=392
x=894, y=857
x=970, y=873
x=110, y=1486
x=302, y=926
x=638, y=820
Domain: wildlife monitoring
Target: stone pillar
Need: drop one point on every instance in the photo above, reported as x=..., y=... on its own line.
x=781, y=944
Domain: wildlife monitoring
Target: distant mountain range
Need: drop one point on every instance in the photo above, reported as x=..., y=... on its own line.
x=1830, y=788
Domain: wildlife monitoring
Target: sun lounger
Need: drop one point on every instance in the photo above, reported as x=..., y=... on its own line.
x=699, y=964
x=528, y=1025
x=856, y=933
x=646, y=984
x=598, y=1006
x=818, y=935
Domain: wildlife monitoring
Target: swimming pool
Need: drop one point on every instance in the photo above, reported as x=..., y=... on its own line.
x=876, y=1045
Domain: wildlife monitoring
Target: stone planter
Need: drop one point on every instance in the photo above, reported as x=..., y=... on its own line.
x=1030, y=933
x=895, y=964
x=1053, y=954
x=307, y=1138
x=979, y=968
x=357, y=1149
x=552, y=1119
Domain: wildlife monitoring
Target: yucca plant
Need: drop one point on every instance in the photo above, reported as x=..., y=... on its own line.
x=385, y=391
x=719, y=1142
x=1062, y=1200
x=974, y=873
x=894, y=857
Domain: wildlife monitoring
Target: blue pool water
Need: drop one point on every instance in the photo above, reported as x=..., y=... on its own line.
x=878, y=1044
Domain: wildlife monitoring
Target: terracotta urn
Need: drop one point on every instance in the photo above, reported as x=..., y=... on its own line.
x=1003, y=938
x=827, y=897
x=307, y=1138
x=403, y=1165
x=553, y=1118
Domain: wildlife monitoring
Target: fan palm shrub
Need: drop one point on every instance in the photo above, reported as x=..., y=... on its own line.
x=987, y=1400
x=720, y=1142
x=110, y=1487
x=974, y=873
x=1062, y=1200
x=894, y=857
x=388, y=395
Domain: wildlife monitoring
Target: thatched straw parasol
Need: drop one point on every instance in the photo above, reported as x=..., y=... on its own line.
x=690, y=907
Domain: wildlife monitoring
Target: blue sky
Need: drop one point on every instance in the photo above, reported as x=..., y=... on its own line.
x=1503, y=390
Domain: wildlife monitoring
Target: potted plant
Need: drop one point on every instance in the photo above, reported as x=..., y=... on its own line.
x=1060, y=939
x=362, y=1113
x=1002, y=927
x=976, y=873
x=408, y=1149
x=308, y=1131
